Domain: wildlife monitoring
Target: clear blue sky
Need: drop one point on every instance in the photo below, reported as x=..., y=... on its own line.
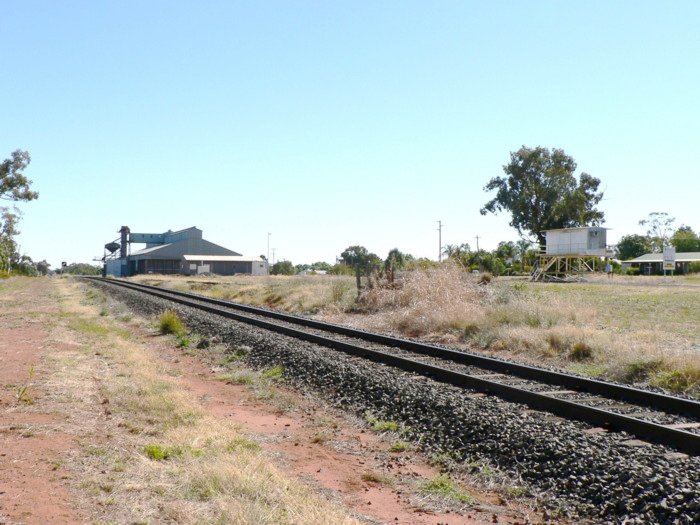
x=338, y=123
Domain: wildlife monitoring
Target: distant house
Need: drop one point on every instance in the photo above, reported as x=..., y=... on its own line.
x=651, y=263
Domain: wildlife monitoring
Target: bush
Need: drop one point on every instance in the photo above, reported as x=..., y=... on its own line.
x=694, y=267
x=632, y=271
x=170, y=323
x=581, y=352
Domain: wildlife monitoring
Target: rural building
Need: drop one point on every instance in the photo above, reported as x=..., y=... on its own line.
x=652, y=263
x=175, y=252
x=571, y=252
x=586, y=241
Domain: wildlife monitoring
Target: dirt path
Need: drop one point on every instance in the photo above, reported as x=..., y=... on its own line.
x=32, y=433
x=58, y=434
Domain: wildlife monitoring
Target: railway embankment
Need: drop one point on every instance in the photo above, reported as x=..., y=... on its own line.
x=596, y=475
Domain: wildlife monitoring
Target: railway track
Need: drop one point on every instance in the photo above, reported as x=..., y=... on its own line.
x=649, y=416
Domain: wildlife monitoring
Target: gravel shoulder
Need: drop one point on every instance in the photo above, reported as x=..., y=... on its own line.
x=575, y=473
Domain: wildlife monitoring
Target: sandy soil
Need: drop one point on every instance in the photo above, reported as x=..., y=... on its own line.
x=40, y=431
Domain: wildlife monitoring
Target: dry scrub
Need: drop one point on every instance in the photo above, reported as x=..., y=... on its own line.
x=634, y=330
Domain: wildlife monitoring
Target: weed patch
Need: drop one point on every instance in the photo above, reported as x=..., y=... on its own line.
x=275, y=373
x=444, y=487
x=170, y=323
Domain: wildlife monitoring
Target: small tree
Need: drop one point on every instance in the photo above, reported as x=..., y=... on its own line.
x=395, y=260
x=506, y=250
x=686, y=240
x=283, y=268
x=523, y=247
x=43, y=267
x=460, y=253
x=362, y=261
x=659, y=226
x=632, y=246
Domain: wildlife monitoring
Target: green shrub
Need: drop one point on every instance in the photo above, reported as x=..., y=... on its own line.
x=276, y=372
x=632, y=271
x=380, y=425
x=686, y=380
x=694, y=267
x=443, y=486
x=399, y=446
x=581, y=352
x=640, y=370
x=160, y=453
x=170, y=323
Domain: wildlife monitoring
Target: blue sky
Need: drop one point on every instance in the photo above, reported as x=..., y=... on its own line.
x=338, y=123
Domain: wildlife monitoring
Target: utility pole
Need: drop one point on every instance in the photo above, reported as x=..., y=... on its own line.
x=273, y=256
x=268, y=247
x=477, y=244
x=440, y=240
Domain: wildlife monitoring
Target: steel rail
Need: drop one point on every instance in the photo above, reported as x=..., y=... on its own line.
x=665, y=402
x=662, y=434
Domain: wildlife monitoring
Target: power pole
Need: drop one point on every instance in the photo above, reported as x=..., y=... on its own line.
x=477, y=244
x=273, y=256
x=440, y=240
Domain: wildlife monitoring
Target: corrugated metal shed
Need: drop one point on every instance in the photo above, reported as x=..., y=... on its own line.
x=585, y=241
x=222, y=258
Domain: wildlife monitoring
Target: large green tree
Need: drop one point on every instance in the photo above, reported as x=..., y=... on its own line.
x=685, y=240
x=14, y=186
x=632, y=246
x=542, y=193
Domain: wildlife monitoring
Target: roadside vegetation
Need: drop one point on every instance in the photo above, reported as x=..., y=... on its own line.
x=166, y=458
x=642, y=330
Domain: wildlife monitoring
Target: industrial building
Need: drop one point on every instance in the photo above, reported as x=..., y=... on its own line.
x=175, y=252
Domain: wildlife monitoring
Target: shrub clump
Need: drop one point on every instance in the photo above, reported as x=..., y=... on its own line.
x=581, y=352
x=443, y=486
x=170, y=323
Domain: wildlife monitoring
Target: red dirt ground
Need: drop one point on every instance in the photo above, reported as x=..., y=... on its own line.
x=33, y=438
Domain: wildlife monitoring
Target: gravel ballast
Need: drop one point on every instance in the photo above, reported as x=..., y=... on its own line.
x=599, y=476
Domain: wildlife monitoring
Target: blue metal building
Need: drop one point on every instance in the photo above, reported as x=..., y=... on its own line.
x=175, y=252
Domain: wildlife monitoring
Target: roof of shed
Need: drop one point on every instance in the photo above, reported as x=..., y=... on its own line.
x=222, y=258
x=151, y=249
x=659, y=257
x=578, y=228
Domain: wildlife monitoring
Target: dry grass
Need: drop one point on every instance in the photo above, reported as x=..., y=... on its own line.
x=166, y=460
x=301, y=294
x=631, y=329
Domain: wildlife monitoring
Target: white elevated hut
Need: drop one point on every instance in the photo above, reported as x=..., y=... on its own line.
x=570, y=252
x=589, y=241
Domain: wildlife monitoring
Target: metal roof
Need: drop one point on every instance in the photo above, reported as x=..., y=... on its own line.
x=222, y=258
x=151, y=249
x=577, y=228
x=659, y=257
